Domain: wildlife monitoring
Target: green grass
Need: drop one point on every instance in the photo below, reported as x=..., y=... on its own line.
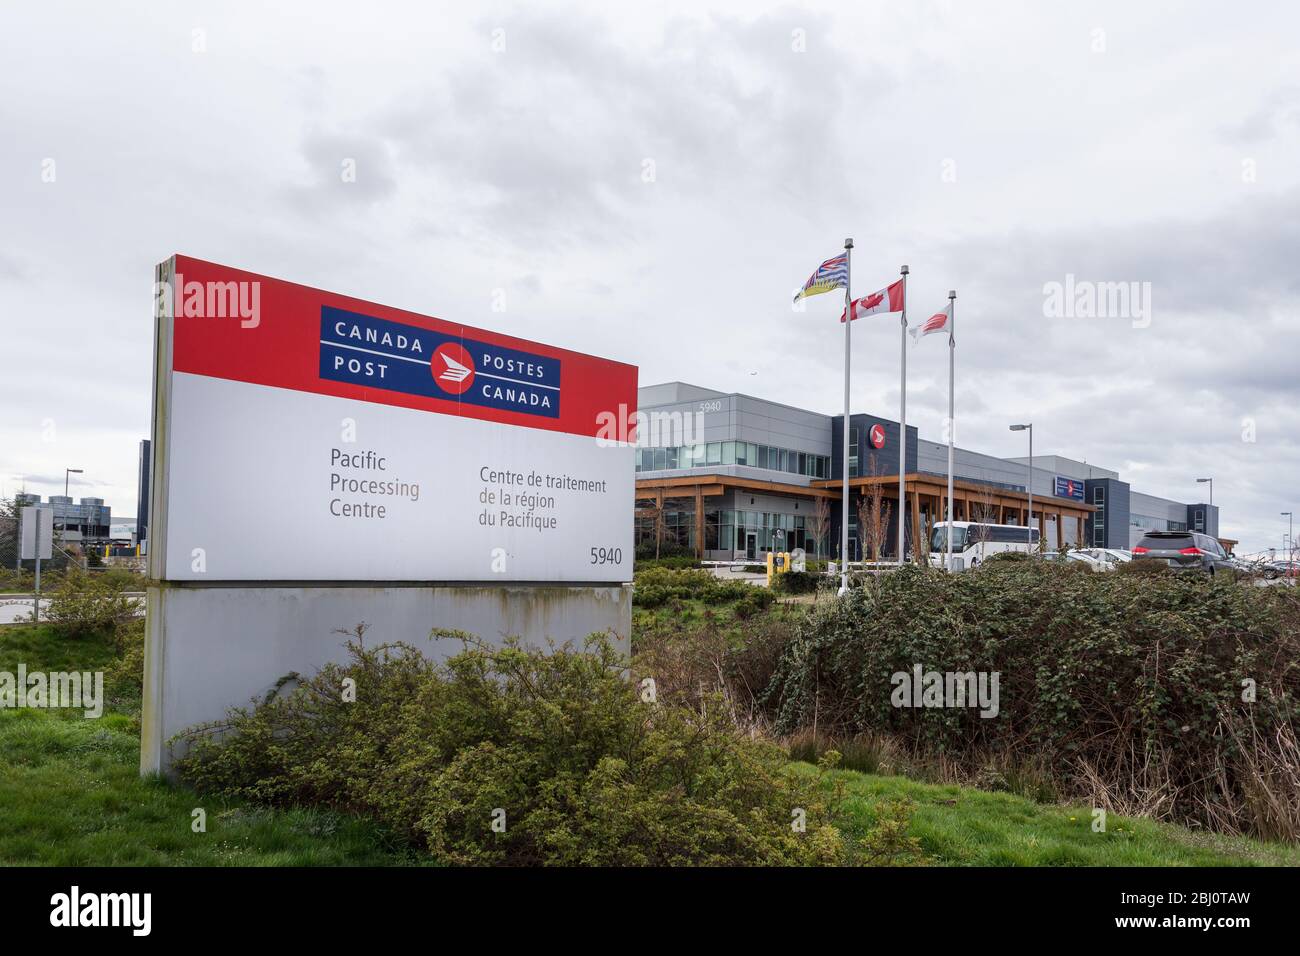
x=959, y=826
x=71, y=795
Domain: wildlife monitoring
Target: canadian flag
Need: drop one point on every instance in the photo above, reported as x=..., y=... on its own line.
x=888, y=299
x=939, y=322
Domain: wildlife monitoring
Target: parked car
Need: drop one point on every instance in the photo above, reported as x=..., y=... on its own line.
x=1078, y=557
x=1111, y=558
x=1242, y=565
x=1184, y=551
x=1283, y=568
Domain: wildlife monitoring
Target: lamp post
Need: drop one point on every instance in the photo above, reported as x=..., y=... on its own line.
x=1201, y=481
x=1029, y=482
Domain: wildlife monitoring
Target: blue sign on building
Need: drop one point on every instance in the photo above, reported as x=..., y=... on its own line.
x=1069, y=488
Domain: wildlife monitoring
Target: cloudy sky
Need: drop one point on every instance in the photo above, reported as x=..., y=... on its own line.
x=651, y=182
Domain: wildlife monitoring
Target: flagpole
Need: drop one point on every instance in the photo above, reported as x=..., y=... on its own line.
x=902, y=426
x=952, y=422
x=848, y=325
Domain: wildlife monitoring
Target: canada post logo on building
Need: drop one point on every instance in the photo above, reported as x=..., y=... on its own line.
x=1069, y=488
x=376, y=353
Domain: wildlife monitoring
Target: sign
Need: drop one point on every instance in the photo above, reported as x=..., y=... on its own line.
x=37, y=533
x=877, y=436
x=302, y=435
x=1069, y=488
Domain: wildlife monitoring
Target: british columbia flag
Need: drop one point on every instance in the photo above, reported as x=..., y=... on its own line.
x=831, y=274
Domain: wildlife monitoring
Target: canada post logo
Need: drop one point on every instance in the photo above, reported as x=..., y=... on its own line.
x=1069, y=488
x=363, y=350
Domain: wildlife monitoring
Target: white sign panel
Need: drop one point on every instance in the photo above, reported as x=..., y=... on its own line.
x=37, y=535
x=304, y=436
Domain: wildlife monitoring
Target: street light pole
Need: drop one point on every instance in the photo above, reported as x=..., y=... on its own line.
x=1029, y=483
x=1208, y=515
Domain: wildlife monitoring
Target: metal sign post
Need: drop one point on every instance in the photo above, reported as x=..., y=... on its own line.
x=36, y=543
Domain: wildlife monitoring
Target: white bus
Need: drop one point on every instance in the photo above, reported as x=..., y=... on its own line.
x=974, y=541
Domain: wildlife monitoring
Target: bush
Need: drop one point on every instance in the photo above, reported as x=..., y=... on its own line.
x=125, y=676
x=1128, y=686
x=696, y=666
x=797, y=582
x=1144, y=568
x=678, y=563
x=82, y=604
x=657, y=586
x=999, y=557
x=646, y=551
x=514, y=756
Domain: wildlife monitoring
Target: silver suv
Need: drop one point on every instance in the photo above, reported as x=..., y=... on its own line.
x=1184, y=551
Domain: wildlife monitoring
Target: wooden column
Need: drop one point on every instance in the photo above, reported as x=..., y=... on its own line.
x=699, y=521
x=1081, y=524
x=1060, y=530
x=916, y=519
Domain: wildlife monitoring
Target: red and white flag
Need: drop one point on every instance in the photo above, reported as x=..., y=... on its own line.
x=939, y=322
x=888, y=299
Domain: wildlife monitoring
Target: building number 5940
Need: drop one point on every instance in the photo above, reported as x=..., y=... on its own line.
x=606, y=555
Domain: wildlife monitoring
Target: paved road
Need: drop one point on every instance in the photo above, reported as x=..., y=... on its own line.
x=15, y=608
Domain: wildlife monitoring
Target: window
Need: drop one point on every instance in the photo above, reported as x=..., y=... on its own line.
x=939, y=542
x=1099, y=495
x=728, y=452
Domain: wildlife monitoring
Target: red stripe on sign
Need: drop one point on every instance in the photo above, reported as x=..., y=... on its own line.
x=251, y=328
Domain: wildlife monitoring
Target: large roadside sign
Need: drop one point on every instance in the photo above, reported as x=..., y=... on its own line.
x=301, y=435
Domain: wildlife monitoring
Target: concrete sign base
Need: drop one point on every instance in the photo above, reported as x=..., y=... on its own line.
x=211, y=648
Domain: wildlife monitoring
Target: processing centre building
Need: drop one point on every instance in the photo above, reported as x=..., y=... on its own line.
x=730, y=476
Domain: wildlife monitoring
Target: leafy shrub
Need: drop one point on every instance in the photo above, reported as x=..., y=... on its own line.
x=796, y=582
x=83, y=604
x=123, y=579
x=646, y=551
x=1144, y=568
x=557, y=750
x=999, y=557
x=679, y=562
x=1122, y=683
x=125, y=676
x=704, y=664
x=657, y=586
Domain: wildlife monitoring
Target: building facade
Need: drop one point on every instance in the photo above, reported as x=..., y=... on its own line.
x=730, y=476
x=85, y=521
